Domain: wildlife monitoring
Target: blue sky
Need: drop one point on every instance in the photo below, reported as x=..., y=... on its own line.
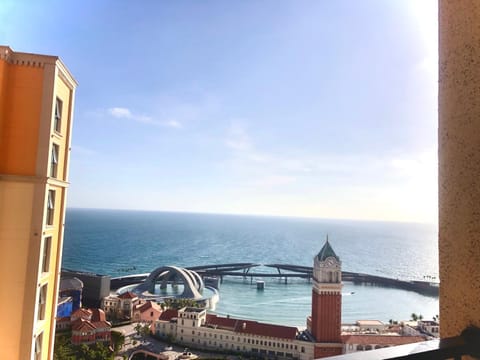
x=297, y=108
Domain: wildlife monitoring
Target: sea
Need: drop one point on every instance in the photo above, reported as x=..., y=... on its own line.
x=122, y=242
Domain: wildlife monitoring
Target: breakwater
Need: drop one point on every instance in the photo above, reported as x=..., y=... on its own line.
x=287, y=271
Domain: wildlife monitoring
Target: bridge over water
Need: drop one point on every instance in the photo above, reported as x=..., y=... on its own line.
x=286, y=271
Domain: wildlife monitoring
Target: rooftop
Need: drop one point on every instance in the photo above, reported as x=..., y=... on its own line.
x=252, y=327
x=327, y=252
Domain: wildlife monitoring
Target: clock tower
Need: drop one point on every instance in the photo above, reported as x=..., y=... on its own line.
x=327, y=303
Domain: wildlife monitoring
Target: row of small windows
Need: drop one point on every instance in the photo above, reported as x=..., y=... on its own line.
x=238, y=347
x=249, y=341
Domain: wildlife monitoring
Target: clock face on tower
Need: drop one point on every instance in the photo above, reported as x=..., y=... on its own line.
x=330, y=262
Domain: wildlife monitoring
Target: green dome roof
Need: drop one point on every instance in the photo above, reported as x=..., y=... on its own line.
x=327, y=252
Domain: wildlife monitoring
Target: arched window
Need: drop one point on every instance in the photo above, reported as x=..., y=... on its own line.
x=360, y=348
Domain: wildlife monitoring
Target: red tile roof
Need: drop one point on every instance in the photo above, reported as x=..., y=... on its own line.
x=146, y=306
x=101, y=325
x=84, y=325
x=98, y=315
x=127, y=295
x=380, y=339
x=168, y=315
x=252, y=327
x=221, y=322
x=82, y=313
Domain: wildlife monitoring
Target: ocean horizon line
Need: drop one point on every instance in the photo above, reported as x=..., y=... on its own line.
x=256, y=215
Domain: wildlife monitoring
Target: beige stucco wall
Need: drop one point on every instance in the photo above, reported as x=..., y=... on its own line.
x=459, y=164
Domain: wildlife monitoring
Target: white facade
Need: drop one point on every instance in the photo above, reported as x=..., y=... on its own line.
x=120, y=306
x=190, y=329
x=430, y=327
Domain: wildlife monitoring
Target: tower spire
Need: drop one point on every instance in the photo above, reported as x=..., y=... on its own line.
x=326, y=252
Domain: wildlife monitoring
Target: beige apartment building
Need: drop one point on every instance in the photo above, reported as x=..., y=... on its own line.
x=36, y=107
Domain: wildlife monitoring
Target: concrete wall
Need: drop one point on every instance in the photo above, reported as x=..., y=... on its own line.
x=459, y=164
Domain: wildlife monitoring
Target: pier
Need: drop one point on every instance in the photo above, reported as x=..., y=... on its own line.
x=287, y=271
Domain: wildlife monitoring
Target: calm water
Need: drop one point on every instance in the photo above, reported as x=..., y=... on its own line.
x=112, y=241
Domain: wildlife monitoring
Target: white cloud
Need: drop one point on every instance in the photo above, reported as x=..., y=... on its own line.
x=173, y=124
x=333, y=185
x=237, y=138
x=125, y=113
x=120, y=112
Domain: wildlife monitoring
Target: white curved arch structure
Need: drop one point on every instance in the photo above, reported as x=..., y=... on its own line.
x=192, y=282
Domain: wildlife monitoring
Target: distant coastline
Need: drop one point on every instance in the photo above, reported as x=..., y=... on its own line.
x=107, y=241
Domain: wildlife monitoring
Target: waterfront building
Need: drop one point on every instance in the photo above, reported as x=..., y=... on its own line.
x=194, y=327
x=146, y=311
x=325, y=335
x=429, y=327
x=36, y=110
x=95, y=286
x=69, y=296
x=120, y=306
x=354, y=343
x=89, y=327
x=325, y=322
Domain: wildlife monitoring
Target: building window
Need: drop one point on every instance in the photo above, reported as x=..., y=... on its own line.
x=47, y=243
x=57, y=124
x=54, y=161
x=50, y=206
x=38, y=347
x=42, y=302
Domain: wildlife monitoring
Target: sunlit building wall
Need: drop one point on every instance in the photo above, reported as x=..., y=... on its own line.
x=36, y=107
x=459, y=165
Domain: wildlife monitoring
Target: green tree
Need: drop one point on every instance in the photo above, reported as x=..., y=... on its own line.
x=414, y=317
x=63, y=349
x=138, y=329
x=180, y=303
x=118, y=340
